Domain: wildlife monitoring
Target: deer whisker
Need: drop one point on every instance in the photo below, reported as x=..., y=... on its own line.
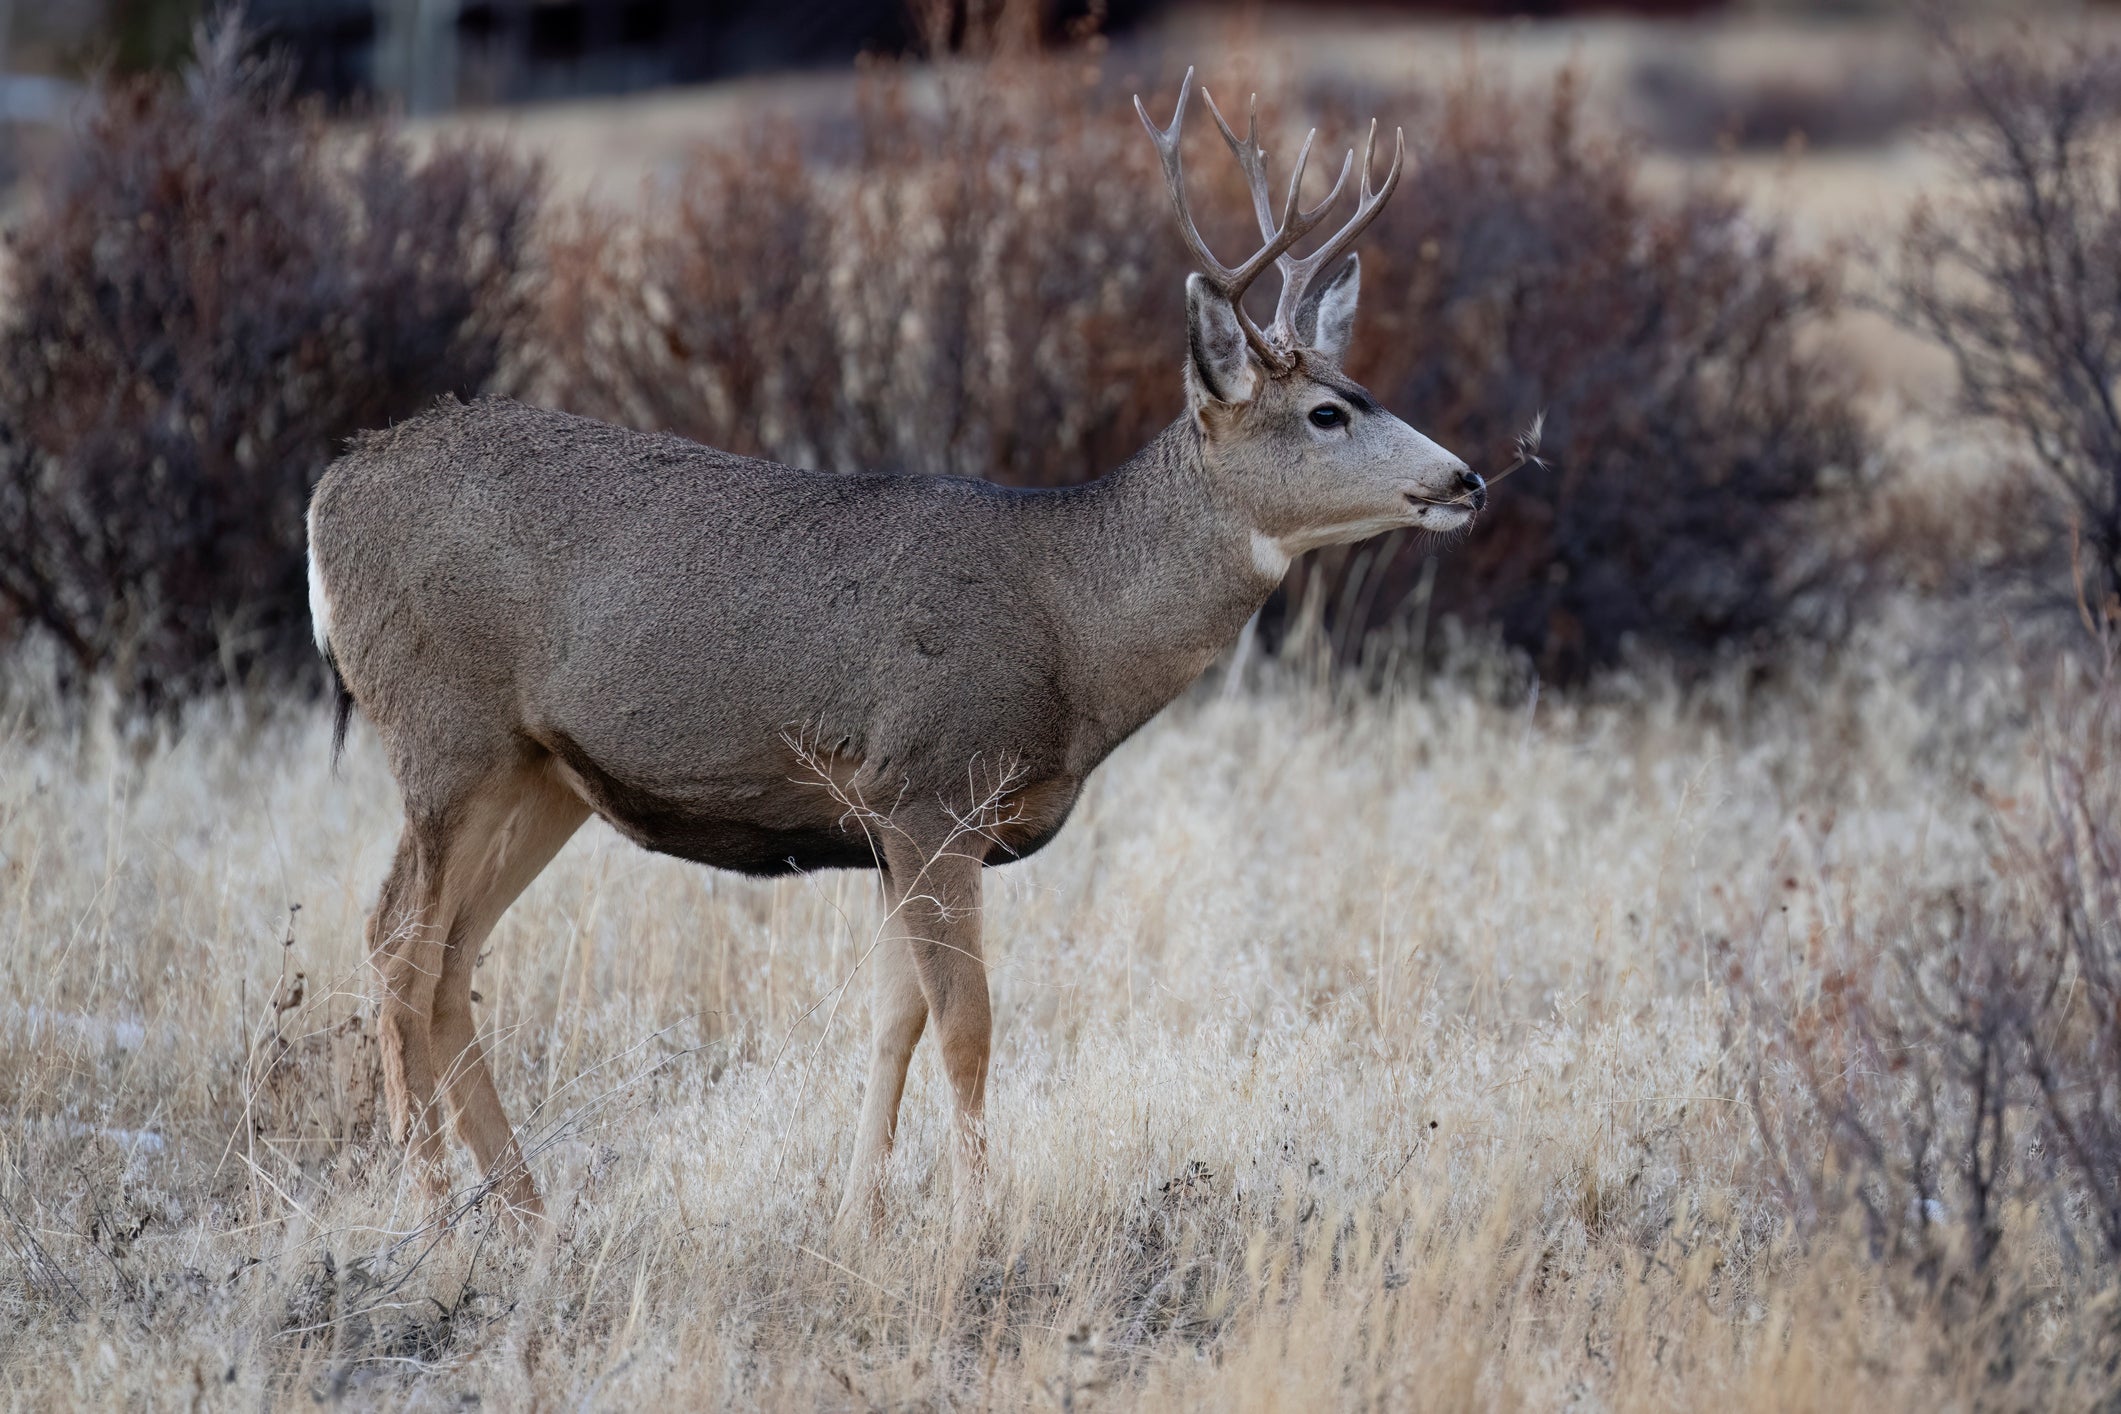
x=1527, y=455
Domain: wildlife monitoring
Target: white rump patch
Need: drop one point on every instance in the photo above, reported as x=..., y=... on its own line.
x=319, y=601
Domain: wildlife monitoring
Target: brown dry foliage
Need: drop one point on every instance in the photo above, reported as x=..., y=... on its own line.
x=215, y=290
x=991, y=287
x=981, y=278
x=2016, y=274
x=967, y=296
x=1695, y=436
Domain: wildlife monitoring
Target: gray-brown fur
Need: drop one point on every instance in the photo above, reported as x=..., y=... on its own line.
x=763, y=668
x=667, y=619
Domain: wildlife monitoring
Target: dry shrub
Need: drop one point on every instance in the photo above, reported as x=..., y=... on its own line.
x=311, y=1077
x=1696, y=434
x=992, y=287
x=970, y=296
x=1944, y=1083
x=213, y=291
x=2016, y=274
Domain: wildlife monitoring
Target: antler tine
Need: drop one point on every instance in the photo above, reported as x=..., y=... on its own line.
x=1166, y=140
x=1232, y=283
x=1250, y=159
x=1296, y=274
x=1310, y=219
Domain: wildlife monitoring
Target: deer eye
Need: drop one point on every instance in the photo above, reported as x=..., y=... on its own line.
x=1327, y=415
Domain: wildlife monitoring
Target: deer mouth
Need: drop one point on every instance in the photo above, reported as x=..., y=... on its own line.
x=1444, y=513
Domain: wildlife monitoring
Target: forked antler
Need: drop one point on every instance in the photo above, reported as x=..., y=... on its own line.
x=1293, y=226
x=1276, y=347
x=1297, y=272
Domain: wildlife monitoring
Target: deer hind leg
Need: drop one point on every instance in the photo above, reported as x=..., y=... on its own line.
x=940, y=918
x=404, y=948
x=455, y=871
x=511, y=832
x=898, y=1014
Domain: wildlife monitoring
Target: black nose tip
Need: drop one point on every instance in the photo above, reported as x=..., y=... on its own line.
x=1476, y=488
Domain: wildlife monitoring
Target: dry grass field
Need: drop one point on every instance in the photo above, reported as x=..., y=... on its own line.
x=1738, y=1035
x=1353, y=1052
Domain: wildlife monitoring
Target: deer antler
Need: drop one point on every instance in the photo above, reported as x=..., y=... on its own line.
x=1296, y=273
x=1277, y=345
x=1293, y=226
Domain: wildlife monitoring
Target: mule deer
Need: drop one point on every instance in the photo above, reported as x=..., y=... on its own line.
x=546, y=617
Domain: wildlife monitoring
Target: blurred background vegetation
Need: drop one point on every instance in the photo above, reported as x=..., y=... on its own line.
x=929, y=238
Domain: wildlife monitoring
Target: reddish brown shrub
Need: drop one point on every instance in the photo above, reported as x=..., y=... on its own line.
x=970, y=296
x=992, y=286
x=213, y=291
x=1693, y=432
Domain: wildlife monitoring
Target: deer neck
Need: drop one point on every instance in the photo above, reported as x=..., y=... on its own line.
x=1160, y=573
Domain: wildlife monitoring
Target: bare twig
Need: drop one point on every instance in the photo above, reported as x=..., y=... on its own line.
x=39, y=1262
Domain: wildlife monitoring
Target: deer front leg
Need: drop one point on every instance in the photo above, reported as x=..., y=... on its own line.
x=940, y=917
x=898, y=1014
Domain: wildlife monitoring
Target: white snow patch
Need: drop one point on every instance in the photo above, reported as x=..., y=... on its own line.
x=122, y=1033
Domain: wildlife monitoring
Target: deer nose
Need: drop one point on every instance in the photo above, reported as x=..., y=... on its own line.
x=1475, y=488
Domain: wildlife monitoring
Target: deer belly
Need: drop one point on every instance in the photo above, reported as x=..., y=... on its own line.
x=1029, y=817
x=742, y=827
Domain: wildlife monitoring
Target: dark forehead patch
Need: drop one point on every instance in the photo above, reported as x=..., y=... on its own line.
x=1351, y=393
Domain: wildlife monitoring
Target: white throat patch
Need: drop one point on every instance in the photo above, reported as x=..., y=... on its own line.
x=1268, y=557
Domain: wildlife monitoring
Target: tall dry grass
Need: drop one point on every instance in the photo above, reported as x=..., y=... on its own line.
x=1351, y=1052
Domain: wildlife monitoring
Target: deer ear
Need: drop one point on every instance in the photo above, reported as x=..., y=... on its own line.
x=1219, y=362
x=1325, y=321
